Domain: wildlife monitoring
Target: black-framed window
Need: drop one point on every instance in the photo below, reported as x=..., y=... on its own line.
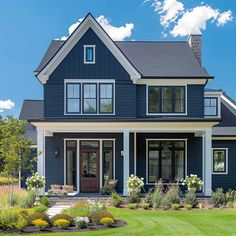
x=89, y=54
x=107, y=149
x=71, y=163
x=166, y=161
x=210, y=106
x=106, y=98
x=219, y=161
x=166, y=99
x=73, y=96
x=90, y=98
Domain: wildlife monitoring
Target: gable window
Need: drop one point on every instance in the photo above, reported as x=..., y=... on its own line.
x=73, y=98
x=210, y=106
x=89, y=54
x=89, y=98
x=166, y=99
x=220, y=161
x=106, y=98
x=165, y=160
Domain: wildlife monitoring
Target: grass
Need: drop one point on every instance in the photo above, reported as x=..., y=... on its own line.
x=148, y=222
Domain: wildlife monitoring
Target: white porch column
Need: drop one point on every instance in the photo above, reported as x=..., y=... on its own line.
x=125, y=161
x=208, y=163
x=41, y=157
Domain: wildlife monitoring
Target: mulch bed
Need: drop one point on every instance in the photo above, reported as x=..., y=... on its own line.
x=32, y=229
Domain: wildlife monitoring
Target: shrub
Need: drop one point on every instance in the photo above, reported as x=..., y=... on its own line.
x=22, y=223
x=116, y=199
x=8, y=219
x=35, y=182
x=218, y=198
x=145, y=205
x=39, y=215
x=230, y=204
x=94, y=206
x=40, y=208
x=45, y=201
x=149, y=196
x=97, y=216
x=230, y=195
x=81, y=222
x=40, y=224
x=157, y=197
x=201, y=205
x=107, y=190
x=29, y=200
x=133, y=198
x=134, y=183
x=107, y=221
x=165, y=204
x=188, y=206
x=173, y=194
x=193, y=182
x=81, y=209
x=191, y=198
x=64, y=217
x=61, y=223
x=175, y=206
x=132, y=206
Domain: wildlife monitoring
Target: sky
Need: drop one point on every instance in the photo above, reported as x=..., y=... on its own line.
x=28, y=26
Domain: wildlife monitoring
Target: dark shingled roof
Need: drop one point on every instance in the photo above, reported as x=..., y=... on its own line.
x=151, y=59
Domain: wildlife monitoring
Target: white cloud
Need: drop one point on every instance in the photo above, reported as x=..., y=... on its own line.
x=169, y=10
x=179, y=21
x=116, y=33
x=224, y=18
x=6, y=105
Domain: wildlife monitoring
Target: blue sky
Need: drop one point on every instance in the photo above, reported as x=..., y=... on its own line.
x=28, y=26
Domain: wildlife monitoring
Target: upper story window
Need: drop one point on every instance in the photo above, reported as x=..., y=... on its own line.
x=220, y=156
x=89, y=54
x=166, y=99
x=89, y=98
x=211, y=106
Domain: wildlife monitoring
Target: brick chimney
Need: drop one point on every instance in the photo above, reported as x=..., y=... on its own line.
x=195, y=42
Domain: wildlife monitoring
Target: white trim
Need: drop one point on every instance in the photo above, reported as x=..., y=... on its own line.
x=226, y=161
x=224, y=138
x=172, y=81
x=100, y=158
x=94, y=54
x=231, y=106
x=167, y=114
x=208, y=95
x=88, y=22
x=126, y=144
x=135, y=153
x=164, y=139
x=92, y=81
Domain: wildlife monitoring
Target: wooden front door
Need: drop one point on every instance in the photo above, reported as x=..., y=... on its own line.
x=89, y=169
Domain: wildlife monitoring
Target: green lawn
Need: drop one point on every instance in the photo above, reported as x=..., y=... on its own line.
x=146, y=223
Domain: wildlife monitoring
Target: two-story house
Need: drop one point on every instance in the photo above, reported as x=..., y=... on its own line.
x=112, y=109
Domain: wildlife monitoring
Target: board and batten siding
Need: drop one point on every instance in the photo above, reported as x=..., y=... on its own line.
x=226, y=181
x=106, y=67
x=195, y=102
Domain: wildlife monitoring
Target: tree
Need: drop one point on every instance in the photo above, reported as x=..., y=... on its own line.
x=15, y=149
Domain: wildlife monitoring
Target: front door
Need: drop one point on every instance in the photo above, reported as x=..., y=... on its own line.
x=89, y=166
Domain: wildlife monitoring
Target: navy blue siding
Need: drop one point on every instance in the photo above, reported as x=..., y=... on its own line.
x=55, y=165
x=106, y=67
x=195, y=101
x=194, y=152
x=226, y=181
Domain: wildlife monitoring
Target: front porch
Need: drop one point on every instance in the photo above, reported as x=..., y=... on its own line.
x=85, y=154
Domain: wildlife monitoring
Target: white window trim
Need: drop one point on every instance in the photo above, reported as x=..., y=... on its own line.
x=218, y=115
x=88, y=81
x=226, y=161
x=167, y=114
x=100, y=158
x=94, y=54
x=154, y=139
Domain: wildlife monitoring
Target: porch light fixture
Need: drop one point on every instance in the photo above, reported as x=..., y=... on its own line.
x=122, y=153
x=56, y=152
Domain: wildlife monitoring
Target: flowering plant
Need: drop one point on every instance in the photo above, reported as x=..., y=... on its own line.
x=94, y=206
x=134, y=183
x=81, y=222
x=80, y=218
x=193, y=182
x=35, y=182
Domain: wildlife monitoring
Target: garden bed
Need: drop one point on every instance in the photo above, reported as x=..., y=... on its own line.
x=91, y=227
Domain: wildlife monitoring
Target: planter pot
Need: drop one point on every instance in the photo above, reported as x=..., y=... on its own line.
x=135, y=191
x=68, y=188
x=55, y=187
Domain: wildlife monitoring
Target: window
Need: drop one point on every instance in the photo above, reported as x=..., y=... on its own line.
x=106, y=97
x=89, y=98
x=210, y=106
x=73, y=98
x=166, y=99
x=107, y=160
x=220, y=161
x=165, y=160
x=89, y=54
